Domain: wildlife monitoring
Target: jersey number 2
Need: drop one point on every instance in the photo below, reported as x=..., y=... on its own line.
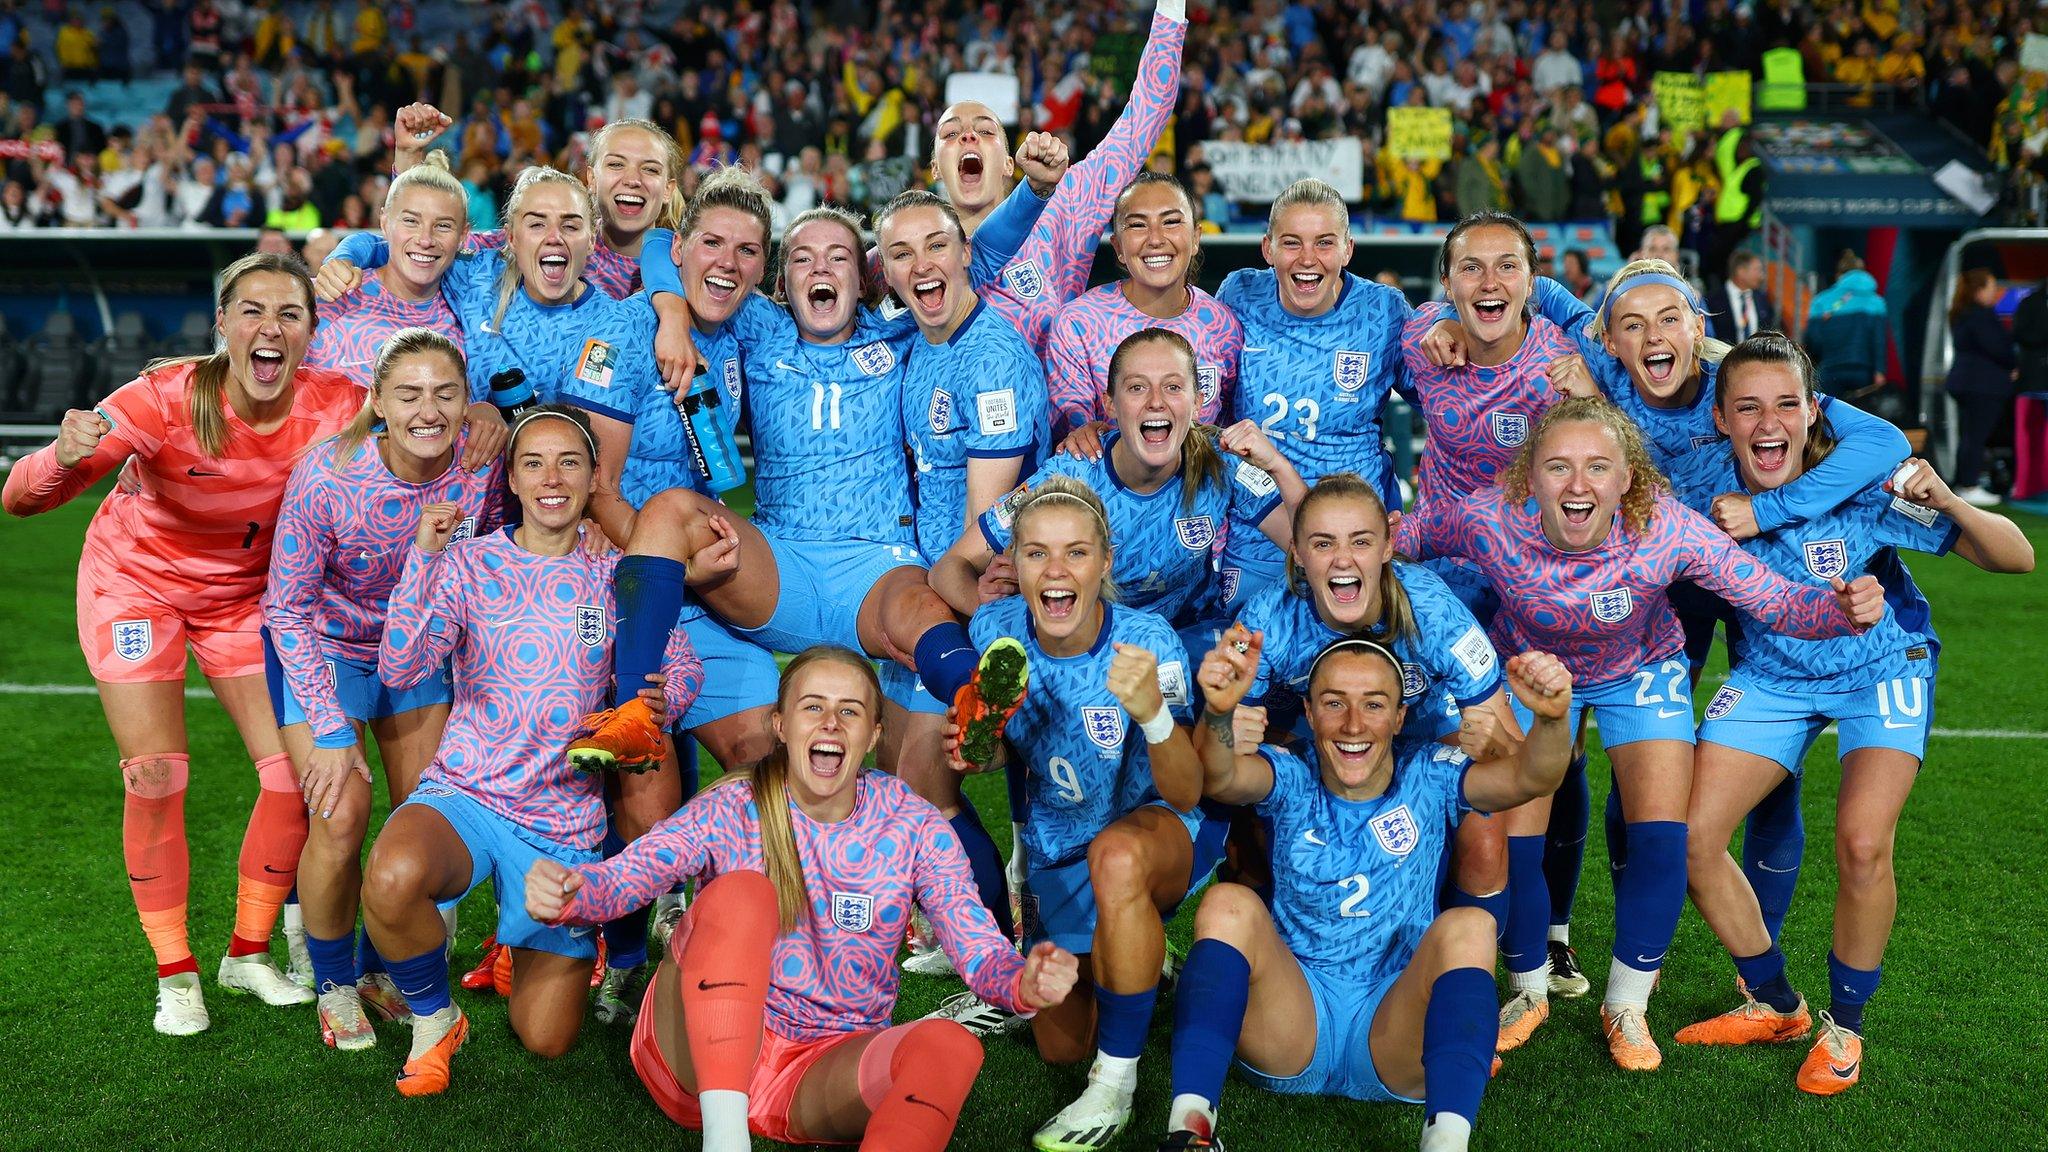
x=1356, y=888
x=1306, y=413
x=821, y=417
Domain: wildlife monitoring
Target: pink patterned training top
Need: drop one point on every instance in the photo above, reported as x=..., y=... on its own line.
x=342, y=538
x=1604, y=611
x=1478, y=418
x=354, y=328
x=836, y=973
x=1052, y=267
x=1087, y=331
x=531, y=637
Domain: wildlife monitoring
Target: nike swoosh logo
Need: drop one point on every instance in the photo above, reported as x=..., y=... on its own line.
x=1779, y=871
x=912, y=1099
x=1314, y=839
x=579, y=933
x=1668, y=713
x=1250, y=348
x=1657, y=959
x=708, y=985
x=196, y=473
x=134, y=879
x=1888, y=723
x=279, y=871
x=787, y=367
x=1843, y=1073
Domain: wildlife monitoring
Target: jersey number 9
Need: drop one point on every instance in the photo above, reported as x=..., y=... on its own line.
x=1065, y=780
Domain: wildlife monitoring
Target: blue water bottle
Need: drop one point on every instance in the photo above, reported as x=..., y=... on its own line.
x=712, y=448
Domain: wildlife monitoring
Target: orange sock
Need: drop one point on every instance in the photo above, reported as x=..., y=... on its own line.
x=153, y=847
x=725, y=977
x=914, y=1078
x=270, y=855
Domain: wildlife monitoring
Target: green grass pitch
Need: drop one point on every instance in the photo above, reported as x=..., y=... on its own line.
x=1957, y=1053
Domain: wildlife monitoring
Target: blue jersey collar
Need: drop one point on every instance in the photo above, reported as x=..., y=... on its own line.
x=1095, y=649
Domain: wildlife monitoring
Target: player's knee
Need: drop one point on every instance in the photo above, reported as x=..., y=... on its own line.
x=1863, y=858
x=547, y=1039
x=1118, y=864
x=1482, y=856
x=667, y=520
x=393, y=879
x=344, y=827
x=1463, y=938
x=1230, y=913
x=941, y=1044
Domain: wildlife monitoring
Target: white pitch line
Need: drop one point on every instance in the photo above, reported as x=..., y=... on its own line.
x=203, y=694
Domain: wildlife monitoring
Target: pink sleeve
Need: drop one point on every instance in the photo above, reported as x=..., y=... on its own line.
x=1075, y=396
x=946, y=892
x=37, y=483
x=1430, y=531
x=685, y=673
x=1087, y=195
x=1806, y=611
x=673, y=849
x=298, y=567
x=425, y=618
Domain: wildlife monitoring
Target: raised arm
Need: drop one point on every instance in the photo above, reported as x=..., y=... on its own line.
x=1233, y=769
x=1075, y=395
x=1709, y=557
x=1984, y=538
x=1265, y=487
x=427, y=612
x=87, y=447
x=1135, y=680
x=1867, y=449
x=676, y=848
x=1544, y=686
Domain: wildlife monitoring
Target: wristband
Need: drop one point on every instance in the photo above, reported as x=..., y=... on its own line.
x=1158, y=729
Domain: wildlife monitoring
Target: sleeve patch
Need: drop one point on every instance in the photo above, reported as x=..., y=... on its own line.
x=996, y=411
x=1918, y=514
x=596, y=365
x=1173, y=683
x=1256, y=480
x=1475, y=652
x=1005, y=509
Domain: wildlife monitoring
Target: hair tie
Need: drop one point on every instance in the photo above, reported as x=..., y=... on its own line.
x=1353, y=643
x=532, y=414
x=1615, y=294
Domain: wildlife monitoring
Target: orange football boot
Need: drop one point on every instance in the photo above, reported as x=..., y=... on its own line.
x=428, y=1075
x=1753, y=1022
x=1836, y=1061
x=623, y=739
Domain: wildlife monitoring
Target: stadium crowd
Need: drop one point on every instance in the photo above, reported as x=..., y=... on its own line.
x=280, y=112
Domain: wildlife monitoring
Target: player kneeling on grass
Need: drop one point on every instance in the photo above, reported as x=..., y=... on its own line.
x=1352, y=984
x=774, y=1018
x=523, y=618
x=1878, y=686
x=352, y=506
x=1114, y=840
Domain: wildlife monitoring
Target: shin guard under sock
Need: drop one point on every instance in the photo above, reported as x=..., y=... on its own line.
x=914, y=1078
x=154, y=850
x=649, y=594
x=269, y=865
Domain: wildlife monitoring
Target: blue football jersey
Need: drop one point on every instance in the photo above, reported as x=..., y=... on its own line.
x=550, y=343
x=1449, y=665
x=1162, y=550
x=660, y=456
x=827, y=423
x=1854, y=538
x=1316, y=386
x=1355, y=882
x=1086, y=763
x=978, y=395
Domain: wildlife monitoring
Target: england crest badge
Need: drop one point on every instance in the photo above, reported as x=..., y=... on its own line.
x=1510, y=429
x=853, y=911
x=874, y=359
x=133, y=639
x=1396, y=831
x=1105, y=726
x=1827, y=559
x=1196, y=533
x=1723, y=702
x=590, y=625
x=941, y=413
x=1613, y=605
x=1025, y=280
x=1349, y=370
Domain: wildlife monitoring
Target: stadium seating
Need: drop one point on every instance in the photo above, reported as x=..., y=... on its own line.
x=12, y=409
x=59, y=368
x=124, y=351
x=194, y=337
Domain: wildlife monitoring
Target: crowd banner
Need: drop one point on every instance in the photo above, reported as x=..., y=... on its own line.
x=1681, y=107
x=998, y=90
x=1419, y=133
x=1727, y=92
x=1258, y=173
x=2034, y=53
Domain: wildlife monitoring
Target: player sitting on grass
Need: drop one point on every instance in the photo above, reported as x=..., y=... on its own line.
x=771, y=1012
x=1877, y=686
x=1351, y=983
x=523, y=618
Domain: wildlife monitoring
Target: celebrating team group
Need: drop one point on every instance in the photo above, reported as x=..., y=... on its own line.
x=1137, y=547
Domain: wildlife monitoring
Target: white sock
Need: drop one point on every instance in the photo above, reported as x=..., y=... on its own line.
x=448, y=921
x=1562, y=933
x=1188, y=1107
x=1176, y=10
x=1446, y=1132
x=428, y=1030
x=725, y=1120
x=294, y=921
x=1121, y=1071
x=1628, y=987
x=1537, y=981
